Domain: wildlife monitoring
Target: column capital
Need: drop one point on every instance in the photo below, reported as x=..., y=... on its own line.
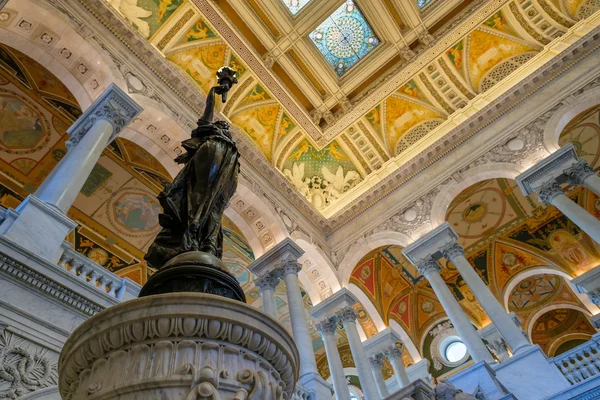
x=326, y=327
x=548, y=191
x=114, y=106
x=579, y=172
x=394, y=352
x=376, y=361
x=290, y=265
x=451, y=250
x=347, y=314
x=427, y=266
x=276, y=256
x=269, y=281
x=431, y=244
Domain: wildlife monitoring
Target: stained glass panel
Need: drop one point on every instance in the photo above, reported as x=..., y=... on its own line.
x=344, y=38
x=423, y=3
x=295, y=5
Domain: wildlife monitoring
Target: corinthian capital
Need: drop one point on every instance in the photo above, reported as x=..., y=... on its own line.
x=347, y=314
x=376, y=361
x=428, y=266
x=326, y=327
x=394, y=352
x=290, y=265
x=269, y=281
x=114, y=106
x=549, y=191
x=579, y=172
x=451, y=250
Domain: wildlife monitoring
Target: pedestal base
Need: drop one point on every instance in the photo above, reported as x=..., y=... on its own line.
x=317, y=385
x=482, y=377
x=37, y=227
x=179, y=346
x=197, y=272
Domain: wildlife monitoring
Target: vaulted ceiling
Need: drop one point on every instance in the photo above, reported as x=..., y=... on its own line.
x=336, y=94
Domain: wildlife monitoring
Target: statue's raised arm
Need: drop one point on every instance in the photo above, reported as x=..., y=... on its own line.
x=187, y=252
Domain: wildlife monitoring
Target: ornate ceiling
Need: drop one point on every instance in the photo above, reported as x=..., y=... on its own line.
x=336, y=95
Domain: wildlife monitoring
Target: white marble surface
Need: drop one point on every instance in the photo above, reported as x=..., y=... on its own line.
x=529, y=375
x=38, y=227
x=481, y=375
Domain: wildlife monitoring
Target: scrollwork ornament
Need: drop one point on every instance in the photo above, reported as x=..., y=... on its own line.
x=394, y=352
x=347, y=314
x=428, y=266
x=548, y=192
x=326, y=327
x=376, y=361
x=269, y=281
x=291, y=265
x=579, y=172
x=452, y=250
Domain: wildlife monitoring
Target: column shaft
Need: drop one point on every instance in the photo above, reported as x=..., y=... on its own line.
x=361, y=361
x=506, y=326
x=394, y=355
x=336, y=369
x=376, y=365
x=269, y=306
x=592, y=182
x=299, y=322
x=580, y=217
x=459, y=319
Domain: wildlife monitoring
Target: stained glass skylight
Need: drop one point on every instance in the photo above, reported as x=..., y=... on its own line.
x=345, y=37
x=423, y=3
x=295, y=5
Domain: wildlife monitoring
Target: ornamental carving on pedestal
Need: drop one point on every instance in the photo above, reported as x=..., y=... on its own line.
x=24, y=368
x=181, y=347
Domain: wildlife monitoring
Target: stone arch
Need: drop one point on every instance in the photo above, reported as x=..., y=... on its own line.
x=318, y=274
x=368, y=305
x=362, y=247
x=538, y=270
x=539, y=313
x=561, y=117
x=564, y=339
x=474, y=175
x=100, y=68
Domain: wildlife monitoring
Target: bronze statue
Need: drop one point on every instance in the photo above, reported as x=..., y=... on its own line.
x=189, y=248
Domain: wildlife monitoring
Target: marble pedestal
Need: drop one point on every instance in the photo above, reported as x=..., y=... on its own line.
x=180, y=346
x=481, y=377
x=51, y=228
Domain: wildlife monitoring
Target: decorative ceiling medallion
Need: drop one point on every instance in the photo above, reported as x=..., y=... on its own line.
x=344, y=38
x=295, y=5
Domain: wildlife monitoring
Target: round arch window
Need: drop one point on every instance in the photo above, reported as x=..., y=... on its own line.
x=456, y=351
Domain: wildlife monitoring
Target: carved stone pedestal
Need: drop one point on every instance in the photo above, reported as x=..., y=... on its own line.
x=181, y=346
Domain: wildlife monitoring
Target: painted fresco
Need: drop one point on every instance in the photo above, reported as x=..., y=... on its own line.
x=259, y=123
x=456, y=55
x=487, y=50
x=200, y=31
x=201, y=63
x=321, y=176
x=534, y=292
x=147, y=16
x=20, y=125
x=584, y=132
x=558, y=323
x=499, y=22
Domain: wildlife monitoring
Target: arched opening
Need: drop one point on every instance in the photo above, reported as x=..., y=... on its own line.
x=560, y=329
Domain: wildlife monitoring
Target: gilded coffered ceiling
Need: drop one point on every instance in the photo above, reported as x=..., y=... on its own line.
x=336, y=95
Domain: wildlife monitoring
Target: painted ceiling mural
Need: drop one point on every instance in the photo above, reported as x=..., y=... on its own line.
x=504, y=233
x=326, y=171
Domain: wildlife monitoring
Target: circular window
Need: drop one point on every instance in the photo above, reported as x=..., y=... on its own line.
x=456, y=351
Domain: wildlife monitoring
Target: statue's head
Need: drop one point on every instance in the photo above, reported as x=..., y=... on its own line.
x=445, y=390
x=222, y=125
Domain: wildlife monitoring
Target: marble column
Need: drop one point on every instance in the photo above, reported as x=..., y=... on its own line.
x=430, y=269
x=552, y=194
x=348, y=317
x=40, y=223
x=327, y=330
x=308, y=365
x=377, y=368
x=394, y=355
x=267, y=285
x=512, y=334
x=582, y=174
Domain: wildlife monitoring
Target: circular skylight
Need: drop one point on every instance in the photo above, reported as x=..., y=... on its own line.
x=456, y=351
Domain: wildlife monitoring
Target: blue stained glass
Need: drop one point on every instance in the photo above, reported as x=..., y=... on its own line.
x=295, y=5
x=344, y=38
x=423, y=3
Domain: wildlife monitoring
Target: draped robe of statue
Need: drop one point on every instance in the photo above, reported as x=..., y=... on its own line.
x=188, y=250
x=194, y=203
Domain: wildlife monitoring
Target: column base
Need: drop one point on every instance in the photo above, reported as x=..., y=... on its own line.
x=531, y=365
x=197, y=272
x=179, y=346
x=38, y=227
x=316, y=384
x=481, y=377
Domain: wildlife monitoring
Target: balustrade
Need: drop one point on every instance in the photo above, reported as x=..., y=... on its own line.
x=580, y=363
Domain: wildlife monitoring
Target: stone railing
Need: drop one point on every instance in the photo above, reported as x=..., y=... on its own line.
x=580, y=363
x=97, y=276
x=301, y=393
